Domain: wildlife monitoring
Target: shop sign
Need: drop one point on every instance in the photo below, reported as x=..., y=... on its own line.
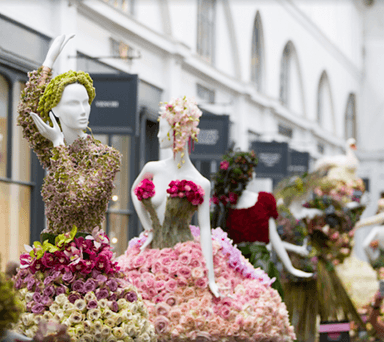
x=298, y=162
x=114, y=109
x=273, y=159
x=214, y=135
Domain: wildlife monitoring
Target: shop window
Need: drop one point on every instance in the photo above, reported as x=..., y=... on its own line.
x=206, y=29
x=285, y=131
x=4, y=109
x=257, y=53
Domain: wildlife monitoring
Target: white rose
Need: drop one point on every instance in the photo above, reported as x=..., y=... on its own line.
x=47, y=315
x=87, y=337
x=79, y=329
x=61, y=299
x=122, y=303
x=80, y=305
x=97, y=336
x=29, y=333
x=98, y=324
x=103, y=303
x=110, y=322
x=111, y=339
x=107, y=314
x=143, y=338
x=54, y=307
x=68, y=307
x=76, y=317
x=118, y=332
x=105, y=330
x=28, y=297
x=90, y=296
x=27, y=319
x=93, y=314
x=88, y=326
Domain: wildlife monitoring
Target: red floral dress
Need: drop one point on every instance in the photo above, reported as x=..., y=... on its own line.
x=251, y=224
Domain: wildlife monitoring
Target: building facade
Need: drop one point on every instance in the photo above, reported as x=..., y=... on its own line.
x=279, y=70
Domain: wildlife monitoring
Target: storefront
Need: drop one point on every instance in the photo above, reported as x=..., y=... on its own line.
x=22, y=210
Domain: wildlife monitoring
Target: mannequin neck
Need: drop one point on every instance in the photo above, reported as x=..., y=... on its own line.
x=70, y=135
x=182, y=156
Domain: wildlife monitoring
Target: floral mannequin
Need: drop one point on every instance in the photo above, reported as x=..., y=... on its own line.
x=249, y=217
x=163, y=172
x=195, y=282
x=71, y=277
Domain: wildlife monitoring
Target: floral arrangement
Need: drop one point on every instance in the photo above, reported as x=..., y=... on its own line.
x=174, y=286
x=76, y=282
x=188, y=189
x=10, y=306
x=230, y=181
x=145, y=190
x=79, y=185
x=183, y=116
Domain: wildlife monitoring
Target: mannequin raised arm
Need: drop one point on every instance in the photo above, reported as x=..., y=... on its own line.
x=376, y=219
x=279, y=248
x=55, y=49
x=376, y=233
x=301, y=250
x=206, y=238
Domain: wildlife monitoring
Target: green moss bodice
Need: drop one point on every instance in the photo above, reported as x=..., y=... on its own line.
x=80, y=177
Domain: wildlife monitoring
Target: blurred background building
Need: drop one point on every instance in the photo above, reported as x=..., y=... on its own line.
x=308, y=74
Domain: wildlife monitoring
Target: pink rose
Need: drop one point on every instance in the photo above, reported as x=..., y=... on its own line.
x=189, y=293
x=201, y=283
x=175, y=314
x=185, y=258
x=161, y=325
x=224, y=165
x=162, y=309
x=170, y=285
x=139, y=261
x=170, y=299
x=184, y=271
x=197, y=272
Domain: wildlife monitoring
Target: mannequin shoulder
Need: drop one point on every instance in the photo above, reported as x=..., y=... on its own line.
x=247, y=199
x=154, y=167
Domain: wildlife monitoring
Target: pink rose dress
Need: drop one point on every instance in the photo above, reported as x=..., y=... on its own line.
x=172, y=279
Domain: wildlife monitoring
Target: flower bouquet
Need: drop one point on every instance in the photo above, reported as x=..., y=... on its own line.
x=174, y=286
x=77, y=283
x=10, y=306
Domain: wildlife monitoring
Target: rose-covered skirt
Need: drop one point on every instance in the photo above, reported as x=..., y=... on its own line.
x=174, y=285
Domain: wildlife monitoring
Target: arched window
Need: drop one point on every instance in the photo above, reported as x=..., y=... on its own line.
x=325, y=116
x=350, y=117
x=291, y=90
x=257, y=53
x=206, y=29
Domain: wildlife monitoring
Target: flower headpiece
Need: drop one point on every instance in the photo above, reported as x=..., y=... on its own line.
x=183, y=116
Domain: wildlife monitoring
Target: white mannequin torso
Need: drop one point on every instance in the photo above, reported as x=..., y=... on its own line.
x=247, y=199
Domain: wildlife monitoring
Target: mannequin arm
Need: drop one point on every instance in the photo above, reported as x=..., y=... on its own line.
x=206, y=239
x=373, y=235
x=301, y=250
x=376, y=219
x=142, y=213
x=278, y=246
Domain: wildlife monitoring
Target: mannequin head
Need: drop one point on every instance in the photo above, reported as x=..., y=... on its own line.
x=165, y=134
x=73, y=109
x=57, y=87
x=182, y=114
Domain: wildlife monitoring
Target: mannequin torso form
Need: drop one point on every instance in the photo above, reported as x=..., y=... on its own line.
x=247, y=200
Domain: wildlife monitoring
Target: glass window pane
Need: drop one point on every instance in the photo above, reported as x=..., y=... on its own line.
x=4, y=96
x=5, y=222
x=118, y=232
x=21, y=169
x=120, y=195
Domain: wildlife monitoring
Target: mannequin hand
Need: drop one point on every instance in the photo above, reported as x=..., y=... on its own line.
x=300, y=274
x=214, y=289
x=55, y=49
x=53, y=134
x=303, y=251
x=147, y=242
